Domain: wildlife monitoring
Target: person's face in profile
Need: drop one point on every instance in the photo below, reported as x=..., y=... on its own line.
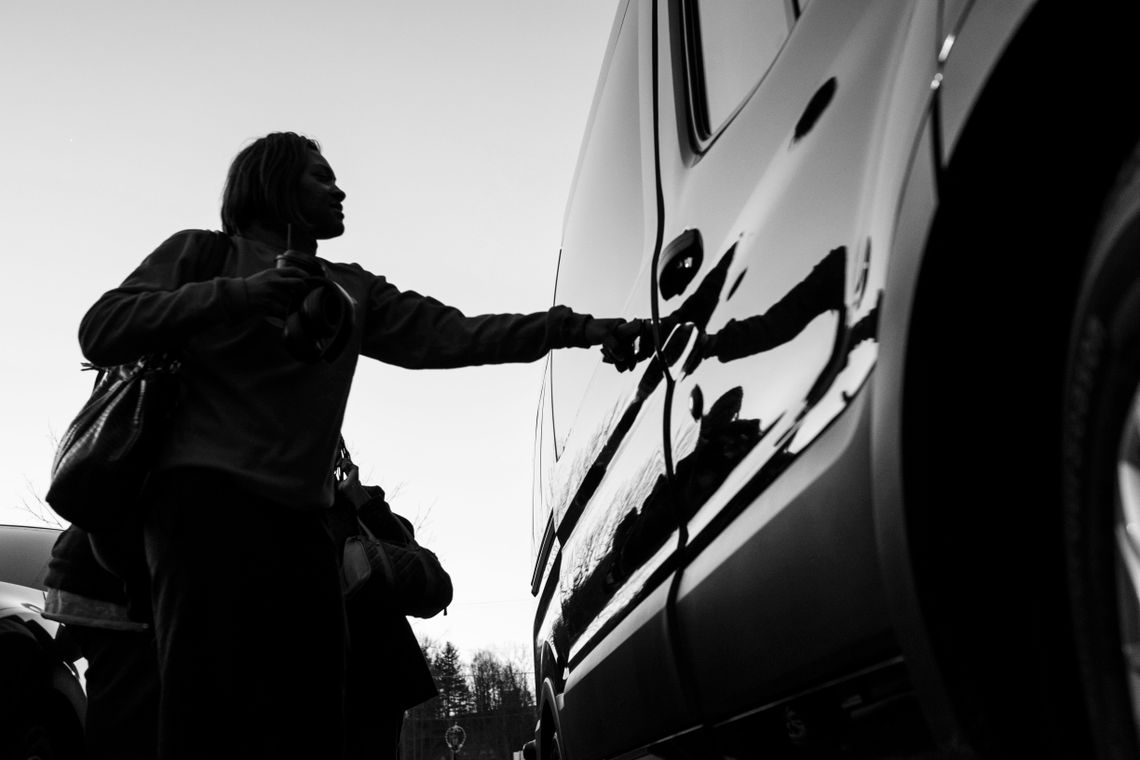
x=320, y=200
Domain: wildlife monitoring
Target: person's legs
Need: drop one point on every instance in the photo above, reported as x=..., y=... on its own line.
x=373, y=734
x=375, y=686
x=122, y=693
x=249, y=622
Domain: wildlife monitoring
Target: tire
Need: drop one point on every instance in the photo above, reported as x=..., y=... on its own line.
x=1101, y=469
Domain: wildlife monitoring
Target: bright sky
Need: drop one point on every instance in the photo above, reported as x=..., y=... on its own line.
x=452, y=125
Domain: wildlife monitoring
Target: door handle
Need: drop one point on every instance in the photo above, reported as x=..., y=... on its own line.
x=679, y=263
x=815, y=108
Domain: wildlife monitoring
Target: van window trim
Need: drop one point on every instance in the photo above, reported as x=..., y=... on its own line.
x=685, y=20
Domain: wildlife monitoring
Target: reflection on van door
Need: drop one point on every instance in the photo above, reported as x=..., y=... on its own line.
x=612, y=532
x=762, y=327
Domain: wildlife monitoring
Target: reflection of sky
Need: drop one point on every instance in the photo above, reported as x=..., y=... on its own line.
x=454, y=129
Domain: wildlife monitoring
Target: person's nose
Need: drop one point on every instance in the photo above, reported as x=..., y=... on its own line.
x=339, y=194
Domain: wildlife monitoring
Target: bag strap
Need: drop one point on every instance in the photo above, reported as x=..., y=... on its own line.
x=343, y=462
x=342, y=469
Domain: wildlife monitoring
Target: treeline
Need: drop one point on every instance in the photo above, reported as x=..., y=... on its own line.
x=490, y=698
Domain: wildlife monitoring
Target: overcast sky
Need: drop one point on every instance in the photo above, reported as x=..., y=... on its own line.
x=454, y=128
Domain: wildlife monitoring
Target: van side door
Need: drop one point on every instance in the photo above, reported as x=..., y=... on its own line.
x=770, y=130
x=599, y=636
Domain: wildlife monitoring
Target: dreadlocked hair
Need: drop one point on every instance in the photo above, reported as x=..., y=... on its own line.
x=262, y=181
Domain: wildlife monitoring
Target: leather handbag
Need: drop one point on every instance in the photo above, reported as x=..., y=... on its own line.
x=106, y=454
x=382, y=560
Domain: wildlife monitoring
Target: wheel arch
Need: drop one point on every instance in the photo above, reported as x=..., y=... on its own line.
x=548, y=718
x=981, y=326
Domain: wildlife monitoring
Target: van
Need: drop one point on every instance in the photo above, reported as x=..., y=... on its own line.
x=875, y=487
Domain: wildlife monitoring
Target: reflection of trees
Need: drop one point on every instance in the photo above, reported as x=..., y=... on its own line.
x=724, y=438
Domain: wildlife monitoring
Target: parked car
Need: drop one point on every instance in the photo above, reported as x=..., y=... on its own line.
x=42, y=702
x=875, y=487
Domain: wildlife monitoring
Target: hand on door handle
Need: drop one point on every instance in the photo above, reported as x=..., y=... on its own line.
x=627, y=343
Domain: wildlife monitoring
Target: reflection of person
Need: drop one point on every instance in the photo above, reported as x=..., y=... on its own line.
x=122, y=668
x=246, y=594
x=821, y=291
x=725, y=438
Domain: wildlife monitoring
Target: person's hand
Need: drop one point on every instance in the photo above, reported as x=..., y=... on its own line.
x=274, y=292
x=624, y=343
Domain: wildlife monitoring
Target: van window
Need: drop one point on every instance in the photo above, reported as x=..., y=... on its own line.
x=731, y=45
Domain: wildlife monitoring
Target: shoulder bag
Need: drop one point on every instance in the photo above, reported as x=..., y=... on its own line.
x=106, y=454
x=382, y=559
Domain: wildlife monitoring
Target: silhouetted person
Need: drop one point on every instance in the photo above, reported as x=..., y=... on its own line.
x=246, y=592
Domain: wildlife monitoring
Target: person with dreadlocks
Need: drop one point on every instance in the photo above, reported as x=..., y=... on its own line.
x=244, y=577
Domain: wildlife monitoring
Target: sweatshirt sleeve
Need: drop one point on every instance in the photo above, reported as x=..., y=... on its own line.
x=160, y=304
x=418, y=332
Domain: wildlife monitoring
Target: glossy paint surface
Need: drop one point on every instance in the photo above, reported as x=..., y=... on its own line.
x=797, y=208
x=712, y=545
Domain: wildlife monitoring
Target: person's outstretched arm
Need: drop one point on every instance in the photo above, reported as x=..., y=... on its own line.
x=418, y=332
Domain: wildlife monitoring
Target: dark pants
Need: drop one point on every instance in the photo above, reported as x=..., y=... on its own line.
x=122, y=693
x=249, y=622
x=375, y=687
x=374, y=735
